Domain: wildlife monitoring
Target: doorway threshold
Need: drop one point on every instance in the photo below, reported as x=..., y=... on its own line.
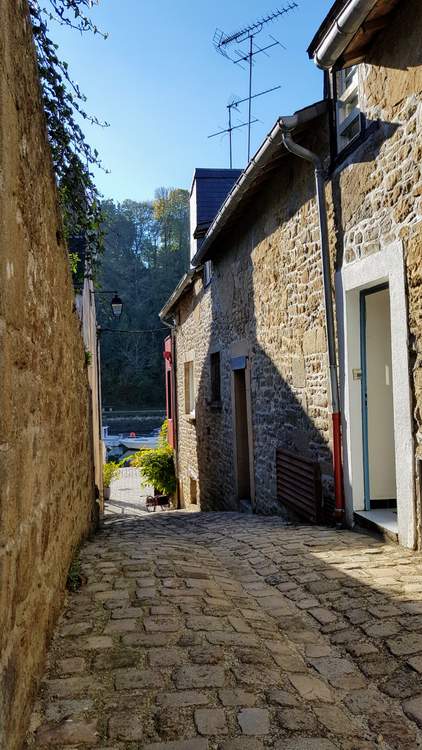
x=381, y=519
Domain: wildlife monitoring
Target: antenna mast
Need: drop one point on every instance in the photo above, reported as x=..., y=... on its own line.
x=222, y=43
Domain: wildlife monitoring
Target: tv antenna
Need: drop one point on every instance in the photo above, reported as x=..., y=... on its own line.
x=223, y=43
x=234, y=104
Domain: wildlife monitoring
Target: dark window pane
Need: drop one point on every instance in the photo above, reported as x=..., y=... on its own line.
x=215, y=377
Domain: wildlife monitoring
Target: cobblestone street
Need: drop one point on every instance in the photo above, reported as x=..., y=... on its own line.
x=201, y=631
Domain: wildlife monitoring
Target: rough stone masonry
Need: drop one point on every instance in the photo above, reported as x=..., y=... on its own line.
x=47, y=493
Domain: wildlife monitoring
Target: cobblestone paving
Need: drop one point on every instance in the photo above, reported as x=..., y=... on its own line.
x=234, y=632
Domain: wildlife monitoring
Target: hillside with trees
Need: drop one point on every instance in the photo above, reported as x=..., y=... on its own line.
x=146, y=252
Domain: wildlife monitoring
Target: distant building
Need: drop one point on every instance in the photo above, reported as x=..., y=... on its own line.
x=252, y=392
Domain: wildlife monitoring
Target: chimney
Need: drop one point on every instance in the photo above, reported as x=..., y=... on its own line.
x=209, y=189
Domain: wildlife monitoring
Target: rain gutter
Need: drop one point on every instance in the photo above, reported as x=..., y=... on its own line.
x=183, y=284
x=270, y=148
x=341, y=32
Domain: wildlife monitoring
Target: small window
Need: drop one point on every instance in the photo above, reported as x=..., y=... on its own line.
x=207, y=272
x=348, y=115
x=215, y=377
x=189, y=388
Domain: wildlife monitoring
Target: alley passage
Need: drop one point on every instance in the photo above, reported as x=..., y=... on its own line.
x=200, y=631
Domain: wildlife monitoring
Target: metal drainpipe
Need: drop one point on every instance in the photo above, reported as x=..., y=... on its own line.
x=304, y=153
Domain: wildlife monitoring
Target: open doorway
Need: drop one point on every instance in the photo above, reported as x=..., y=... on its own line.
x=375, y=287
x=379, y=471
x=241, y=436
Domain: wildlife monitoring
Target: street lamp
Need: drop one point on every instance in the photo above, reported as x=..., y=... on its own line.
x=116, y=302
x=116, y=306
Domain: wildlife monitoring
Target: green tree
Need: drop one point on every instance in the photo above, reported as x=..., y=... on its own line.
x=146, y=253
x=171, y=210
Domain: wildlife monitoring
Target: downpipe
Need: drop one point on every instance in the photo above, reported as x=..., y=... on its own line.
x=304, y=153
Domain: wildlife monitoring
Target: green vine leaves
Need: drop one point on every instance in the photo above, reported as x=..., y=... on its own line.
x=73, y=158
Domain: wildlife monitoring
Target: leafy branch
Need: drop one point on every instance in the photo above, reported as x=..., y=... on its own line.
x=69, y=13
x=73, y=158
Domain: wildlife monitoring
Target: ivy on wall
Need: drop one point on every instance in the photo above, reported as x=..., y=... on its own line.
x=73, y=157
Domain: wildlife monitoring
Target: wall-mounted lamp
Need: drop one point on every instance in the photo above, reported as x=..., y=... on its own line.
x=116, y=306
x=116, y=302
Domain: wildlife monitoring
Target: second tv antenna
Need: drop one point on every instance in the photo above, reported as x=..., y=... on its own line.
x=224, y=44
x=234, y=104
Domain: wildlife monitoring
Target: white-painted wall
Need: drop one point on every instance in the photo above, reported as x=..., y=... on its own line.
x=386, y=265
x=382, y=473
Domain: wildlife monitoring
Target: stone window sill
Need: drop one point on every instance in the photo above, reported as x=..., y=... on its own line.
x=367, y=129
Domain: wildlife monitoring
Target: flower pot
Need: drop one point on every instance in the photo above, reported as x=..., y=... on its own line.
x=107, y=492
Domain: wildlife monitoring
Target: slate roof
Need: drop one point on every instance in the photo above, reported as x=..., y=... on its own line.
x=212, y=187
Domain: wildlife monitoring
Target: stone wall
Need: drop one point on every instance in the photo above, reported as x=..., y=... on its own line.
x=265, y=300
x=46, y=449
x=378, y=189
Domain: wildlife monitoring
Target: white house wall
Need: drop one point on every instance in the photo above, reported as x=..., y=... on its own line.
x=363, y=274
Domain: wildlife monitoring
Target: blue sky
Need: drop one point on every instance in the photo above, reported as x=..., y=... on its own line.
x=163, y=88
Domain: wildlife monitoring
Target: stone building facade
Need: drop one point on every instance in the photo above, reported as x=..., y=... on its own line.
x=263, y=310
x=266, y=278
x=46, y=467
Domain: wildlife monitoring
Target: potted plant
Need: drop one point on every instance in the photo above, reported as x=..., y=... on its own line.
x=157, y=465
x=110, y=472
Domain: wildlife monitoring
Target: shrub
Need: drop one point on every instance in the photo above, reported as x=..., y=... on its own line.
x=110, y=472
x=162, y=437
x=157, y=465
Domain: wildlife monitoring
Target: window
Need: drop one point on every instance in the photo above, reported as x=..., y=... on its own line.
x=215, y=377
x=207, y=272
x=189, y=388
x=348, y=116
